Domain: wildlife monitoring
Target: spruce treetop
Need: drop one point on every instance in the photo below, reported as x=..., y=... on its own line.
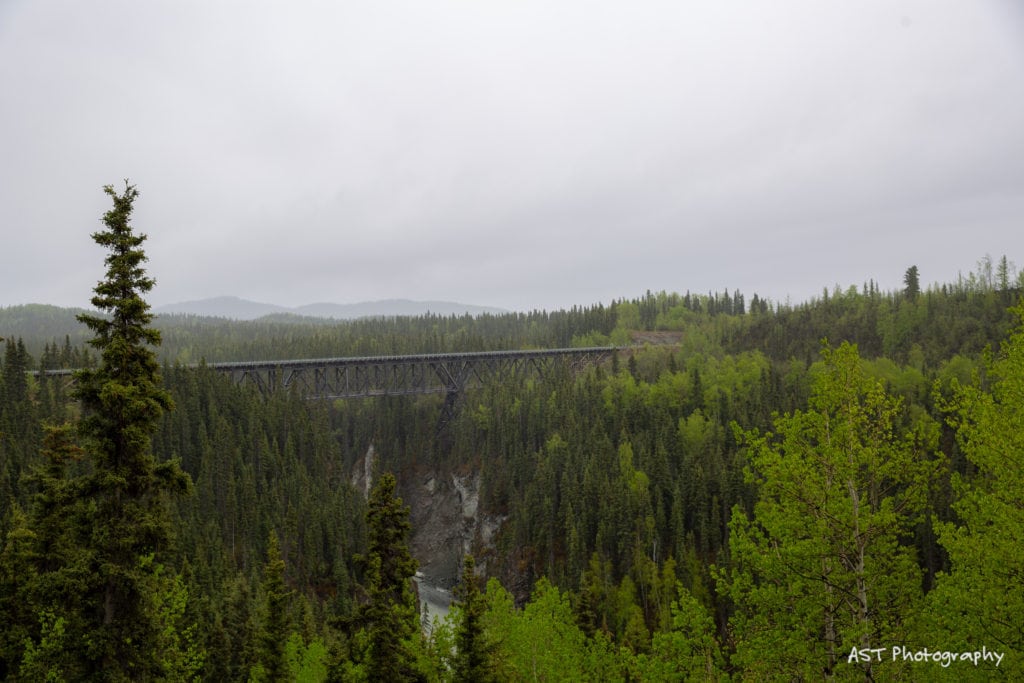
x=124, y=520
x=123, y=399
x=124, y=335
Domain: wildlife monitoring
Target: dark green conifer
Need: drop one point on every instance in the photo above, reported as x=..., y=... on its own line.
x=42, y=567
x=16, y=572
x=275, y=619
x=912, y=280
x=124, y=524
x=392, y=615
x=474, y=651
x=19, y=432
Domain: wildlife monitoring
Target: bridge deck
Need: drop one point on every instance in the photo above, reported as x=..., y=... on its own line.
x=432, y=373
x=402, y=375
x=364, y=376
x=417, y=358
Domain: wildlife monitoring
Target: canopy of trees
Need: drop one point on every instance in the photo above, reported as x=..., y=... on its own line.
x=728, y=498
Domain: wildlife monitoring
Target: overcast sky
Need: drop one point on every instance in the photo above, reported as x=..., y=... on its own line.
x=507, y=152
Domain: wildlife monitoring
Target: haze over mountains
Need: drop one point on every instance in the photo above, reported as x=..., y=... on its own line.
x=242, y=309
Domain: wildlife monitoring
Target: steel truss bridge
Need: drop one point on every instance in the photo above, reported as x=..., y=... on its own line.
x=435, y=373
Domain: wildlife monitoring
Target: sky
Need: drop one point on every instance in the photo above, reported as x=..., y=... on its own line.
x=510, y=153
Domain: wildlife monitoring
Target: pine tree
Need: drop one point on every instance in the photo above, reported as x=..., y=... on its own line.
x=19, y=433
x=17, y=559
x=275, y=621
x=121, y=520
x=392, y=615
x=41, y=571
x=474, y=650
x=912, y=282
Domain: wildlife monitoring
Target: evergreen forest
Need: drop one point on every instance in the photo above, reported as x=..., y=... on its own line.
x=747, y=490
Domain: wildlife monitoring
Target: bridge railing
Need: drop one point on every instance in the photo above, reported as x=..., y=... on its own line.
x=402, y=375
x=393, y=375
x=367, y=376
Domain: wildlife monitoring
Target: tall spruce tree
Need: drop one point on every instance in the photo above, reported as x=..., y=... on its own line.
x=474, y=650
x=17, y=616
x=122, y=517
x=275, y=618
x=41, y=570
x=19, y=432
x=392, y=616
x=912, y=280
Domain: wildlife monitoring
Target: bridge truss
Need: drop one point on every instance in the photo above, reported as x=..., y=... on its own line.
x=439, y=373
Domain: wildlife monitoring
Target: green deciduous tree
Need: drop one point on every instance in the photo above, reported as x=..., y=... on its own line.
x=688, y=651
x=822, y=567
x=179, y=651
x=980, y=602
x=306, y=663
x=542, y=641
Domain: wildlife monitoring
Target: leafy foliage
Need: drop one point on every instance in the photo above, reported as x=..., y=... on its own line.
x=822, y=566
x=619, y=494
x=981, y=599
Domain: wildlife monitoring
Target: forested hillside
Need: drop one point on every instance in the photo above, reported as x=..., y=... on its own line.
x=748, y=490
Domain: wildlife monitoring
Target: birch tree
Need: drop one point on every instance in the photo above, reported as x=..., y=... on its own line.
x=822, y=568
x=981, y=600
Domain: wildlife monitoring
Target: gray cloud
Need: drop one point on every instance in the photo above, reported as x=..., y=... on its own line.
x=526, y=155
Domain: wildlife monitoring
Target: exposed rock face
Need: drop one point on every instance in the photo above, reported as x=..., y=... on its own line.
x=479, y=528
x=438, y=528
x=445, y=516
x=362, y=473
x=469, y=494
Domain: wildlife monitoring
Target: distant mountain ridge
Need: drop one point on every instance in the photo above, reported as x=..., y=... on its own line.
x=236, y=308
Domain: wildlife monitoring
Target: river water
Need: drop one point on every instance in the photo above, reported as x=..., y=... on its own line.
x=437, y=599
